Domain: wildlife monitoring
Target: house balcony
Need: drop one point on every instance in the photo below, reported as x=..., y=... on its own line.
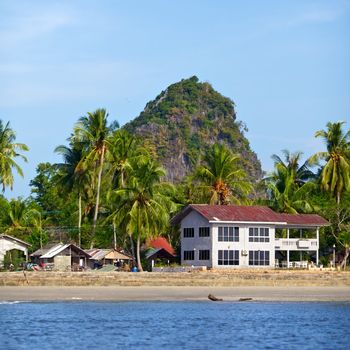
x=297, y=244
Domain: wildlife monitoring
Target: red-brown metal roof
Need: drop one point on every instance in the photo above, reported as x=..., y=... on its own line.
x=304, y=219
x=237, y=213
x=162, y=243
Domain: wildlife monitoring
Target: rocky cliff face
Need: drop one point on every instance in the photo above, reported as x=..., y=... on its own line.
x=184, y=121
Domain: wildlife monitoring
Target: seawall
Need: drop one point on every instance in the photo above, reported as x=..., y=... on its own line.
x=231, y=278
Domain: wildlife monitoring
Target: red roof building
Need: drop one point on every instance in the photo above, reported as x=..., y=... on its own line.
x=162, y=243
x=220, y=236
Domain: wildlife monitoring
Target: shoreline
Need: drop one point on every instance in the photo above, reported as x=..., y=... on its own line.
x=166, y=293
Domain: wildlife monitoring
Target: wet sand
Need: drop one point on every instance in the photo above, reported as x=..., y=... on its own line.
x=118, y=293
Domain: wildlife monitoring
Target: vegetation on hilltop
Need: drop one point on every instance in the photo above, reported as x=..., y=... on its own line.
x=184, y=121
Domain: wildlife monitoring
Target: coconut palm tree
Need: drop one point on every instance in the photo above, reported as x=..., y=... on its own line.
x=335, y=174
x=221, y=176
x=72, y=176
x=93, y=131
x=143, y=205
x=123, y=151
x=291, y=168
x=8, y=152
x=289, y=184
x=15, y=215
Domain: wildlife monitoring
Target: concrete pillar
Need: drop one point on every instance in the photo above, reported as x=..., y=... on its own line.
x=318, y=245
x=288, y=248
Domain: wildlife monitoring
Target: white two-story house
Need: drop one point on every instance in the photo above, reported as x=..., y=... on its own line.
x=245, y=236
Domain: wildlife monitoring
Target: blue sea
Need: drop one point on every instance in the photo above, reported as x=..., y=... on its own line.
x=174, y=325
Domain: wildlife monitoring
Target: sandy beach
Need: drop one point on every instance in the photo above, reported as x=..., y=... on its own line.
x=117, y=293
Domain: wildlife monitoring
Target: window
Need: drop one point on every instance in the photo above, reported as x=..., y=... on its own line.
x=259, y=257
x=188, y=232
x=228, y=234
x=204, y=232
x=188, y=254
x=204, y=255
x=257, y=234
x=228, y=257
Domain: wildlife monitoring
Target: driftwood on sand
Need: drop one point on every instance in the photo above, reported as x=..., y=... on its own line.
x=214, y=298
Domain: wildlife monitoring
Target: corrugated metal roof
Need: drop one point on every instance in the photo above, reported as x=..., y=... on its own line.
x=261, y=214
x=55, y=250
x=61, y=247
x=161, y=242
x=99, y=254
x=304, y=219
x=11, y=238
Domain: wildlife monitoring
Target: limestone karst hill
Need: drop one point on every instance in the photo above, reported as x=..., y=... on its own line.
x=181, y=123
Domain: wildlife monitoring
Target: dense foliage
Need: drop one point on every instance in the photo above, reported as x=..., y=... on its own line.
x=184, y=121
x=111, y=189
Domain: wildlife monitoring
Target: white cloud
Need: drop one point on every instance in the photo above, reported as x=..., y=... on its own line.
x=30, y=26
x=315, y=16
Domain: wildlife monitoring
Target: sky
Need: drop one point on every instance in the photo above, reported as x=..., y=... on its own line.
x=285, y=64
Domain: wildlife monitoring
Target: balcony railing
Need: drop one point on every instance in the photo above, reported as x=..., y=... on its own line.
x=296, y=244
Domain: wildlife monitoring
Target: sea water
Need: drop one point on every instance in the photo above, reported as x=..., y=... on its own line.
x=175, y=325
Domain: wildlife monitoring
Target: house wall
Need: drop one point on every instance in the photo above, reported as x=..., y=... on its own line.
x=7, y=245
x=193, y=219
x=62, y=262
x=243, y=246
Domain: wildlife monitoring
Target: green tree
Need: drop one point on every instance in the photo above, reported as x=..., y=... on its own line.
x=93, y=131
x=289, y=185
x=47, y=195
x=72, y=176
x=123, y=151
x=8, y=152
x=335, y=174
x=143, y=206
x=222, y=178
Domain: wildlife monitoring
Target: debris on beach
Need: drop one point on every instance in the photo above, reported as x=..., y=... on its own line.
x=214, y=298
x=245, y=299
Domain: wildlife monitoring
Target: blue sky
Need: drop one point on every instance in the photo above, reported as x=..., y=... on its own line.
x=284, y=63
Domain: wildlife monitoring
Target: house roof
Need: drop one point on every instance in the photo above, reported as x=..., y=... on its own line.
x=162, y=243
x=304, y=219
x=17, y=240
x=99, y=254
x=261, y=214
x=58, y=248
x=159, y=253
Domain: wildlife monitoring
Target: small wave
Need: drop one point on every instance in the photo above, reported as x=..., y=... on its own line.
x=4, y=302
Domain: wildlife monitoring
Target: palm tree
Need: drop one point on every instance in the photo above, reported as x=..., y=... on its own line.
x=8, y=151
x=291, y=168
x=15, y=215
x=143, y=206
x=335, y=174
x=93, y=132
x=72, y=176
x=289, y=184
x=222, y=178
x=122, y=152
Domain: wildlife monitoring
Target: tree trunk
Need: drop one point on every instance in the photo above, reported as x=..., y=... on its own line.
x=98, y=195
x=343, y=263
x=79, y=220
x=139, y=265
x=132, y=249
x=114, y=236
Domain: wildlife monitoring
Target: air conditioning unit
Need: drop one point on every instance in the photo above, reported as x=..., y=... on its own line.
x=244, y=253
